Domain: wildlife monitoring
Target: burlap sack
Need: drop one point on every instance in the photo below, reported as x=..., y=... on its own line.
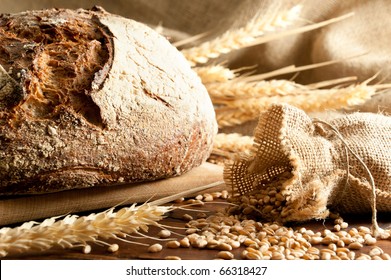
x=316, y=166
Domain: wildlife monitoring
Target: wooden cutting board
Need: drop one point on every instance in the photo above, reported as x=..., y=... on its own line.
x=21, y=209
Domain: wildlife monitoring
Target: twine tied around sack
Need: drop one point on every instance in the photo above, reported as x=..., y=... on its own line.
x=377, y=231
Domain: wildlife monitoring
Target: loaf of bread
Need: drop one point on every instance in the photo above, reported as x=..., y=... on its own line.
x=88, y=98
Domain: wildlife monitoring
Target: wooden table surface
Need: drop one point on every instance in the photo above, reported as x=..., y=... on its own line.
x=175, y=218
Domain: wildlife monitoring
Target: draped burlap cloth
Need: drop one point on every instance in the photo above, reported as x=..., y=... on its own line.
x=331, y=164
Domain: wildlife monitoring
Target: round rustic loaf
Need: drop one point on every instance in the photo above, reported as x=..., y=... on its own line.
x=89, y=98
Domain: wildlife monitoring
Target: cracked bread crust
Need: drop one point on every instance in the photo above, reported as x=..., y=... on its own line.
x=88, y=98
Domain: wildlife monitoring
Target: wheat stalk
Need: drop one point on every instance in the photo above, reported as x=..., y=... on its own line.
x=242, y=37
x=293, y=69
x=238, y=111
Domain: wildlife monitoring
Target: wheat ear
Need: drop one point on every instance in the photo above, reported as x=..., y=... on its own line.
x=230, y=117
x=74, y=231
x=231, y=144
x=214, y=74
x=238, y=89
x=221, y=92
x=242, y=37
x=238, y=111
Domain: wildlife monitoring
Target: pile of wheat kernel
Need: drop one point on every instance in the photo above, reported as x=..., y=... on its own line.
x=225, y=232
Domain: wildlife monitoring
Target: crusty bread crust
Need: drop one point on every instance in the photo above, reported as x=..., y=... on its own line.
x=88, y=98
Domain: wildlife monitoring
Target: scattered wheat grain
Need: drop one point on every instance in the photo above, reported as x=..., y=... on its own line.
x=155, y=248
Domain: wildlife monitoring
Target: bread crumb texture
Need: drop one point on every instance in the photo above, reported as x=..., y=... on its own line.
x=89, y=98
